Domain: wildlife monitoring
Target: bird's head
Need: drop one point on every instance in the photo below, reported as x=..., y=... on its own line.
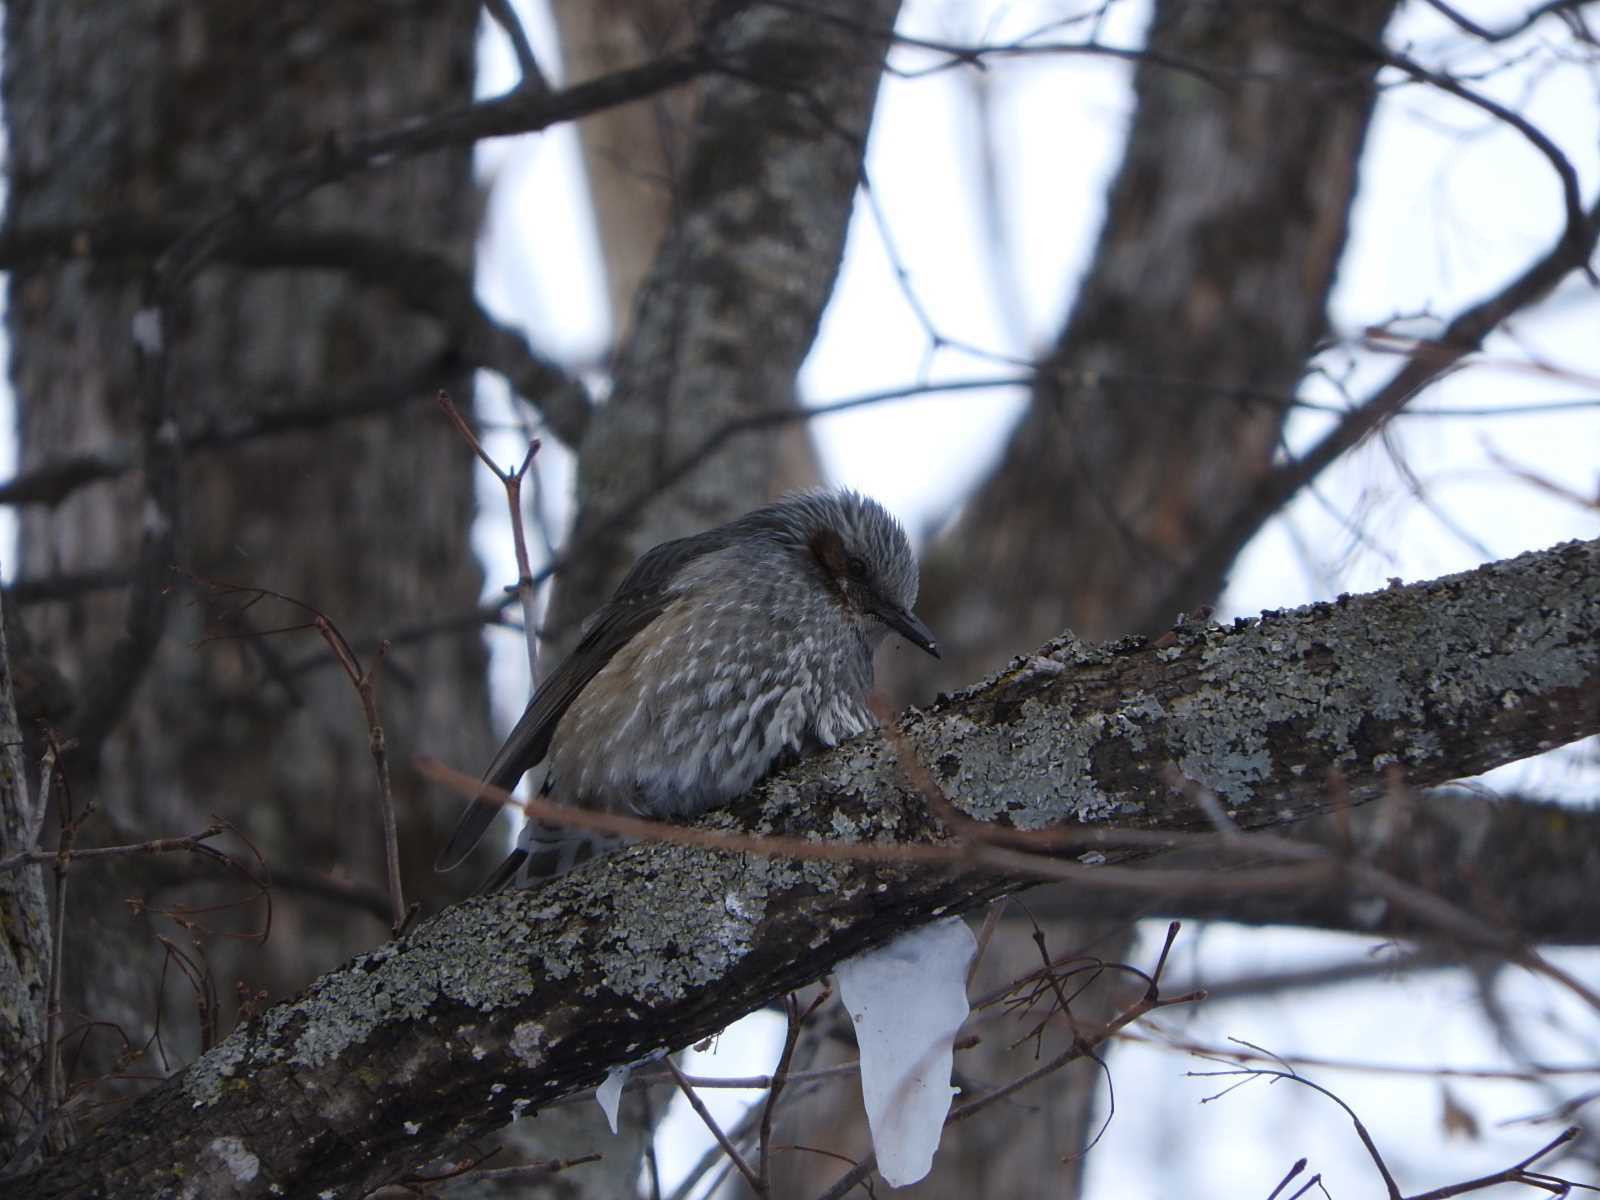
x=863, y=556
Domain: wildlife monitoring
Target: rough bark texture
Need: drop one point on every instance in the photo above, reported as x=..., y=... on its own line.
x=731, y=304
x=24, y=947
x=161, y=111
x=503, y=1005
x=636, y=157
x=1532, y=863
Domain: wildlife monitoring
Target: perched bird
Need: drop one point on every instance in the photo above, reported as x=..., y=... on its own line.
x=717, y=654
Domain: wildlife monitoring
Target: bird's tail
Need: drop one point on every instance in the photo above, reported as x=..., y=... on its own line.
x=510, y=762
x=477, y=818
x=503, y=874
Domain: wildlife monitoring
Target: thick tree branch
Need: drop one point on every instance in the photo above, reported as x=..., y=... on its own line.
x=425, y=279
x=525, y=110
x=1532, y=864
x=501, y=1005
x=53, y=480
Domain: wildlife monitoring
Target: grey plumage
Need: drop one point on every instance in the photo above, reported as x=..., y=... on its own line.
x=716, y=655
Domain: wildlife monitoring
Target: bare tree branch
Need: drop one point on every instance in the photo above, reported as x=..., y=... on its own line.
x=427, y=280
x=1430, y=360
x=1533, y=861
x=1534, y=14
x=522, y=111
x=499, y=1006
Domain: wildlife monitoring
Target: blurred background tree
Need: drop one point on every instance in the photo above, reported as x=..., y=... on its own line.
x=297, y=462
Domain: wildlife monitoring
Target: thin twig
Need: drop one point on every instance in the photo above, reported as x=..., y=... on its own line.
x=728, y=1147
x=52, y=1066
x=1537, y=480
x=1516, y=1173
x=506, y=17
x=1456, y=17
x=335, y=159
x=685, y=835
x=991, y=922
x=533, y=1172
x=1308, y=866
x=367, y=689
x=780, y=1077
x=714, y=1156
x=527, y=586
x=1294, y=1171
x=365, y=682
x=1463, y=336
x=197, y=970
x=791, y=1035
x=47, y=770
x=920, y=778
x=1575, y=233
x=1530, y=1074
x=193, y=844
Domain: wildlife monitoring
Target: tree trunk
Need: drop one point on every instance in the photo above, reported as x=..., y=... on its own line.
x=731, y=304
x=155, y=110
x=635, y=158
x=26, y=1095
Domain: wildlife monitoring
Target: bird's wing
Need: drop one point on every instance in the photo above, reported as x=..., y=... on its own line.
x=642, y=596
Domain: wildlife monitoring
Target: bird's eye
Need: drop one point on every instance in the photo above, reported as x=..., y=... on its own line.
x=857, y=566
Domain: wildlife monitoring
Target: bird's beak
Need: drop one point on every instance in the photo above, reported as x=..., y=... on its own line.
x=909, y=626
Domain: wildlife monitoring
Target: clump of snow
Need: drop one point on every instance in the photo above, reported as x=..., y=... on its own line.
x=609, y=1093
x=907, y=1000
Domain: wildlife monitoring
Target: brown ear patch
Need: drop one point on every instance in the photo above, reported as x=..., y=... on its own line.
x=827, y=547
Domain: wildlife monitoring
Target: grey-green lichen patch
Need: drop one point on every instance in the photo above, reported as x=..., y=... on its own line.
x=467, y=955
x=236, y=1158
x=844, y=826
x=1070, y=650
x=1226, y=770
x=697, y=923
x=1221, y=737
x=203, y=1082
x=528, y=1041
x=1131, y=719
x=345, y=1008
x=1034, y=768
x=1424, y=744
x=1391, y=656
